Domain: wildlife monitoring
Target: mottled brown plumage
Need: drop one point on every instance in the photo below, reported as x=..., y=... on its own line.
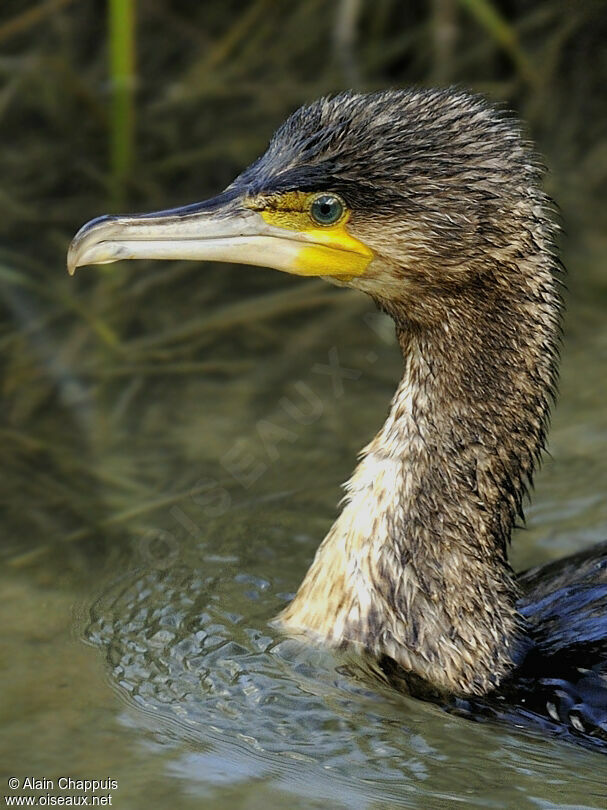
x=449, y=232
x=415, y=568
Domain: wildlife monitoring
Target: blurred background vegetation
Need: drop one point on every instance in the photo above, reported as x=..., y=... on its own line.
x=143, y=104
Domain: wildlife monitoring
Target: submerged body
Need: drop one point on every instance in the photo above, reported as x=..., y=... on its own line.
x=561, y=681
x=429, y=201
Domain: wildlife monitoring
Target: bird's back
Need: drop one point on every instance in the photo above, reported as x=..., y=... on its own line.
x=561, y=682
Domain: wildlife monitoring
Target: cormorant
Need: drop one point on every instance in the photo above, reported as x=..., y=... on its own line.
x=430, y=202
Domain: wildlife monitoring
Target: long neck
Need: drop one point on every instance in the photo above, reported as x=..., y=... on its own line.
x=415, y=568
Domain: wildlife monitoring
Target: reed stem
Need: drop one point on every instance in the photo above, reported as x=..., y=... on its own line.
x=122, y=76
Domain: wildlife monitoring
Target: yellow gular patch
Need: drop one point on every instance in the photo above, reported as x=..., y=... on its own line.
x=328, y=250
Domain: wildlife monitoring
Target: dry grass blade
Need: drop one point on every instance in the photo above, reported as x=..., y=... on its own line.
x=268, y=305
x=487, y=15
x=27, y=19
x=199, y=72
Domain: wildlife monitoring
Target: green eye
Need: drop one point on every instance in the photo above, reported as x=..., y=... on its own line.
x=327, y=209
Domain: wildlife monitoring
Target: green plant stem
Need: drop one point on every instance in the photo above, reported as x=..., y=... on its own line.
x=122, y=74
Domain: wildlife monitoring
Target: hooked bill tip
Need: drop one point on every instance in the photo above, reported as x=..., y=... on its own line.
x=77, y=245
x=73, y=255
x=72, y=259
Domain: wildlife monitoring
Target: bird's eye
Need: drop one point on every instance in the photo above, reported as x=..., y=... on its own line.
x=327, y=209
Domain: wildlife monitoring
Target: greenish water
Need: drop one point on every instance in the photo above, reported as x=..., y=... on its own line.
x=145, y=655
x=160, y=497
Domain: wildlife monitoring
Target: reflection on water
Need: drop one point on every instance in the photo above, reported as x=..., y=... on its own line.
x=247, y=705
x=183, y=689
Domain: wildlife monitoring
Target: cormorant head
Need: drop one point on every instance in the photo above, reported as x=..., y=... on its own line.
x=405, y=194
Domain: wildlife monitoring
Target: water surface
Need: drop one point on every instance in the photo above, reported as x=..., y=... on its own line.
x=139, y=648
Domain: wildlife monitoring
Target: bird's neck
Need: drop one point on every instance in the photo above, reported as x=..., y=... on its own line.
x=415, y=568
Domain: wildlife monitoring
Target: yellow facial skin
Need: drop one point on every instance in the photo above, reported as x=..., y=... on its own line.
x=272, y=230
x=329, y=250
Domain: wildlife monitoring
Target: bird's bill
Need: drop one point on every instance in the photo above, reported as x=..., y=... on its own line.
x=220, y=230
